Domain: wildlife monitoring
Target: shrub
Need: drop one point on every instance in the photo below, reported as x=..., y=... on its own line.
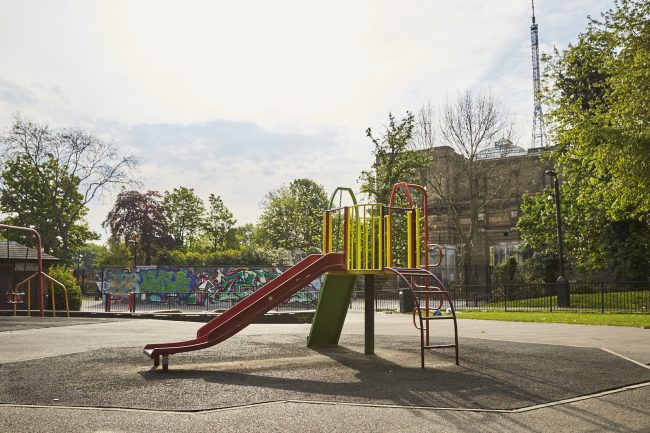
x=65, y=277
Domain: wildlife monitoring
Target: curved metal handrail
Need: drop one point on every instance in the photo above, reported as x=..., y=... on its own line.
x=52, y=282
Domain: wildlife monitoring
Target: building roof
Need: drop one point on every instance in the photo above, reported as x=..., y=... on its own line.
x=14, y=251
x=502, y=148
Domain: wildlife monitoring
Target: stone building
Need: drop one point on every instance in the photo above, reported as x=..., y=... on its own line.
x=486, y=211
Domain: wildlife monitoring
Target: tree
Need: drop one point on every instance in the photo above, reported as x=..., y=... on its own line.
x=184, y=212
x=72, y=289
x=219, y=224
x=397, y=159
x=55, y=212
x=598, y=91
x=115, y=253
x=245, y=236
x=60, y=172
x=469, y=172
x=139, y=217
x=292, y=216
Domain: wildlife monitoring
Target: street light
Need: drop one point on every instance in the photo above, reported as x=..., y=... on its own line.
x=134, y=243
x=562, y=282
x=79, y=259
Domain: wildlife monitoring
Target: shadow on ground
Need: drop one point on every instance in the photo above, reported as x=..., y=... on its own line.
x=252, y=369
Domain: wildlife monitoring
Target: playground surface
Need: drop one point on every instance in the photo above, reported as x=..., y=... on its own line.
x=80, y=374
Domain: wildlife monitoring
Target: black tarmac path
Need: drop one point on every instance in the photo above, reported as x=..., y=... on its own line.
x=65, y=375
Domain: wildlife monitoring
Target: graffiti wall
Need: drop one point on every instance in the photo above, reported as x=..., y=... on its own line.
x=197, y=284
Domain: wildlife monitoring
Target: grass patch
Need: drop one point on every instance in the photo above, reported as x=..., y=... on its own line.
x=581, y=318
x=628, y=300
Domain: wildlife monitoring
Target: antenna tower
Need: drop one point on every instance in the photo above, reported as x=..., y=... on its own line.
x=539, y=130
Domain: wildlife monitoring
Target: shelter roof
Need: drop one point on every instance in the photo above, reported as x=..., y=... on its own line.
x=15, y=251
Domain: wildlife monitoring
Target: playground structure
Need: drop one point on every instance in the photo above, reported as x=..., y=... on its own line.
x=17, y=295
x=361, y=239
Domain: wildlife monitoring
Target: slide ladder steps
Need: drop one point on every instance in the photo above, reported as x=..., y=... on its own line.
x=424, y=284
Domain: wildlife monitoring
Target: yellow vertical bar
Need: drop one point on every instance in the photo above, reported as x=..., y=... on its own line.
x=409, y=240
x=388, y=241
x=373, y=222
x=346, y=237
x=67, y=304
x=53, y=303
x=366, y=245
x=324, y=231
x=417, y=237
x=349, y=235
x=373, y=243
x=380, y=236
x=358, y=236
x=331, y=231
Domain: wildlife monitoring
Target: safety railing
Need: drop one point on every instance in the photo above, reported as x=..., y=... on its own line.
x=374, y=236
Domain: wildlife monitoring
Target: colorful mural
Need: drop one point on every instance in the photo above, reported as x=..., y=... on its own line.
x=197, y=285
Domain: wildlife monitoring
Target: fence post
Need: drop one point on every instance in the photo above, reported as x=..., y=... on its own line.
x=602, y=298
x=131, y=302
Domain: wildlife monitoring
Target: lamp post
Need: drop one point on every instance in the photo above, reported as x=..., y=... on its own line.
x=134, y=243
x=79, y=259
x=563, y=299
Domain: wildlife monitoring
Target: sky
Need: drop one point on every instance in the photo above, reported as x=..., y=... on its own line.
x=236, y=98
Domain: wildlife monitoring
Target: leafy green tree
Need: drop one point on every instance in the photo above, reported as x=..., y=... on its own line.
x=396, y=159
x=49, y=177
x=292, y=216
x=140, y=217
x=88, y=255
x=114, y=253
x=184, y=212
x=598, y=91
x=581, y=233
x=219, y=223
x=65, y=276
x=245, y=236
x=627, y=248
x=46, y=198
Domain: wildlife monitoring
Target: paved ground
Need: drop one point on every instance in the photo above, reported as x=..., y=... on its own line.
x=67, y=375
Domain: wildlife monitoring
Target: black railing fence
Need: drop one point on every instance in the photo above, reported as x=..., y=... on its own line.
x=632, y=297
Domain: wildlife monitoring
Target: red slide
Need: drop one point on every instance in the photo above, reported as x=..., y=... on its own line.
x=252, y=307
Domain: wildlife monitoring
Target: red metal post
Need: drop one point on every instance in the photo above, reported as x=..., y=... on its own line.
x=41, y=280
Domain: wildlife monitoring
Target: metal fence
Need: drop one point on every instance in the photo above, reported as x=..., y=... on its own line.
x=619, y=296
x=631, y=297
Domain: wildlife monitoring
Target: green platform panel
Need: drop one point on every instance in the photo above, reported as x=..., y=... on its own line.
x=331, y=311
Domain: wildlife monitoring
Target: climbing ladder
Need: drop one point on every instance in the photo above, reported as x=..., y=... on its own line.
x=429, y=296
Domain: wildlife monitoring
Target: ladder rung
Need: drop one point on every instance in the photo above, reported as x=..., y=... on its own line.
x=440, y=346
x=438, y=317
x=432, y=292
x=413, y=272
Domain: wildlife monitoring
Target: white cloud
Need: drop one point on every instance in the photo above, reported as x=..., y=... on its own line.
x=237, y=98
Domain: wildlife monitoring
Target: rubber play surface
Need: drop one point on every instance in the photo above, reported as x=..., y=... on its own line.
x=249, y=370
